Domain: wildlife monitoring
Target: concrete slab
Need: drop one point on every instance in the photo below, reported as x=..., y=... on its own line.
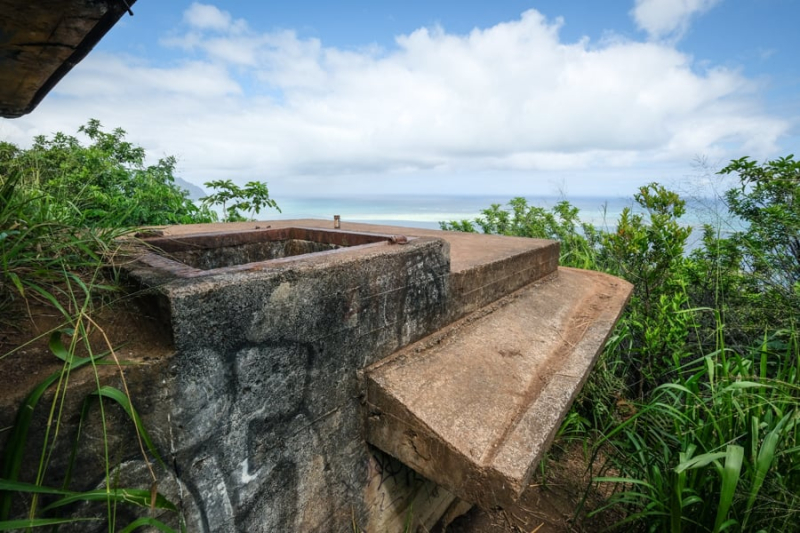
x=467, y=250
x=483, y=268
x=473, y=406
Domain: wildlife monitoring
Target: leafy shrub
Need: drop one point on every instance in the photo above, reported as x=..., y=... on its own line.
x=63, y=205
x=252, y=197
x=560, y=223
x=705, y=360
x=768, y=200
x=647, y=249
x=752, y=276
x=103, y=184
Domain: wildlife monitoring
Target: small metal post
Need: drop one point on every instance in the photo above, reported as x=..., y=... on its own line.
x=337, y=222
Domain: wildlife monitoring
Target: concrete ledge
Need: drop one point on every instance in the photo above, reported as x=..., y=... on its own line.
x=483, y=268
x=473, y=406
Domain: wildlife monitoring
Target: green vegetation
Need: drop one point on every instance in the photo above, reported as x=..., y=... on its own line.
x=252, y=198
x=104, y=184
x=694, y=405
x=67, y=216
x=60, y=497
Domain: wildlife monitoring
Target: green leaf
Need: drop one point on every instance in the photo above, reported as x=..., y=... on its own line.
x=47, y=295
x=19, y=486
x=17, y=283
x=119, y=397
x=57, y=347
x=144, y=522
x=699, y=461
x=138, y=497
x=13, y=525
x=730, y=479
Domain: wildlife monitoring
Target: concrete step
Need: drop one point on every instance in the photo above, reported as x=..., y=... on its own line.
x=474, y=406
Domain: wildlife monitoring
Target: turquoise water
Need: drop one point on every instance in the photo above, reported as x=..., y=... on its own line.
x=428, y=211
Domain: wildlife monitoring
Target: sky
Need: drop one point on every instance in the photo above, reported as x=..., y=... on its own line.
x=573, y=97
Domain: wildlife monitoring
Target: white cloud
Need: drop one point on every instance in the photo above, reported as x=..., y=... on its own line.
x=668, y=18
x=107, y=77
x=510, y=98
x=207, y=17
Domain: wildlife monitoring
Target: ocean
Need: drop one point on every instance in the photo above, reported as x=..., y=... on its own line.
x=428, y=211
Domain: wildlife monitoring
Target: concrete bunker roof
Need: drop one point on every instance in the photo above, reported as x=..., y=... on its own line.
x=467, y=250
x=41, y=41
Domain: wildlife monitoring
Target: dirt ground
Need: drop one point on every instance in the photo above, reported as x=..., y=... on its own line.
x=26, y=358
x=556, y=501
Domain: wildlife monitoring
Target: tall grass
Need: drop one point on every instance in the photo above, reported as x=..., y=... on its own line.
x=45, y=253
x=716, y=449
x=51, y=259
x=14, y=452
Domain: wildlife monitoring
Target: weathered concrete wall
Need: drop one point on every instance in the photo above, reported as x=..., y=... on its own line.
x=259, y=406
x=257, y=412
x=249, y=253
x=265, y=400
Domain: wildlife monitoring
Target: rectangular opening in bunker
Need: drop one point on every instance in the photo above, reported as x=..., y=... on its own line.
x=219, y=250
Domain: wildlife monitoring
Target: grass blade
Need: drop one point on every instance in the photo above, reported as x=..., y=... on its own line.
x=14, y=525
x=700, y=461
x=119, y=397
x=147, y=522
x=19, y=486
x=730, y=479
x=138, y=497
x=17, y=440
x=764, y=462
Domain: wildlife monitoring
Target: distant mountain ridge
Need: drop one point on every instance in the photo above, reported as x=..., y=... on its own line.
x=195, y=192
